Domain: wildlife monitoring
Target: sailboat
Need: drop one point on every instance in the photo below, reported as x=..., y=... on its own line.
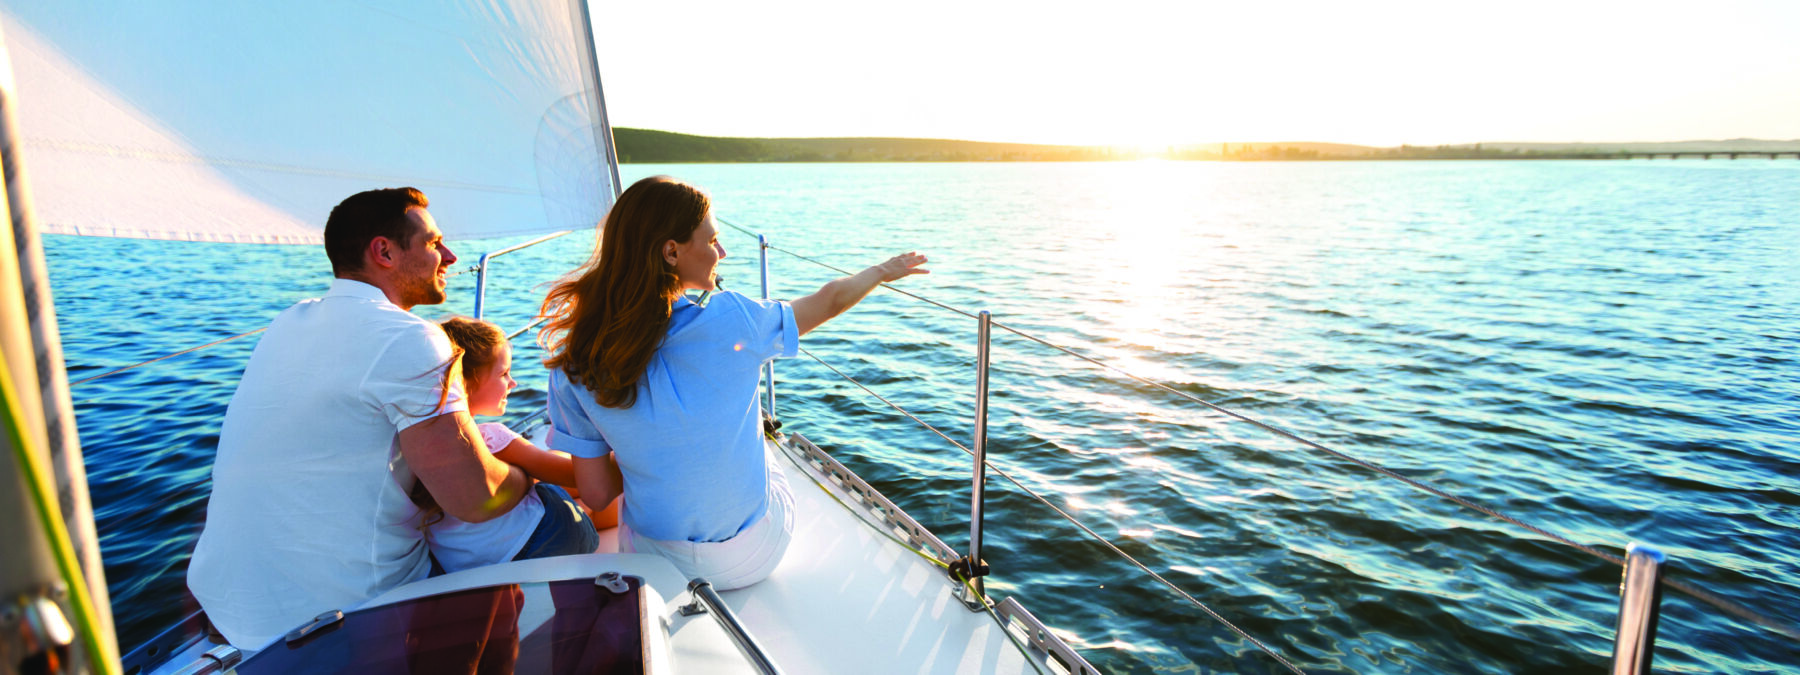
x=244, y=124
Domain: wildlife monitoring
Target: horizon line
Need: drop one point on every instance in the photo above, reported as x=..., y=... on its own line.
x=1204, y=143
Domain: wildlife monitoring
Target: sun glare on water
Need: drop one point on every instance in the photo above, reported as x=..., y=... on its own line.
x=1149, y=239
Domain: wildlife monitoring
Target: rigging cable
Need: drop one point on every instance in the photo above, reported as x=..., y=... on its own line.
x=1115, y=549
x=1707, y=597
x=448, y=274
x=141, y=364
x=535, y=323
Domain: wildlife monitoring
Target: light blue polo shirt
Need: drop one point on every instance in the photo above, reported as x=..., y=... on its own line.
x=691, y=447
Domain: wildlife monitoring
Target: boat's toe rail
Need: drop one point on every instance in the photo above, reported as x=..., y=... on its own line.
x=875, y=510
x=869, y=503
x=1020, y=621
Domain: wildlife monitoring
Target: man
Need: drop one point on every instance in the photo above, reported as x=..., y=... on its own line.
x=344, y=402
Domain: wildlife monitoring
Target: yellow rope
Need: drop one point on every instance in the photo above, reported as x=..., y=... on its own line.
x=49, y=516
x=879, y=530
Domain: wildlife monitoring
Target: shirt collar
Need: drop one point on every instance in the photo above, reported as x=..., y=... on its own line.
x=352, y=288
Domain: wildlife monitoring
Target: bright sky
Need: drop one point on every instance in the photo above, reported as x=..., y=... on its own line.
x=1153, y=73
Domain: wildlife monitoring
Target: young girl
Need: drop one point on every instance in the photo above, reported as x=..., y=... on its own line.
x=547, y=522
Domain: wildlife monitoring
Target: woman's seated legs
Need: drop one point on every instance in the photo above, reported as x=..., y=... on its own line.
x=744, y=559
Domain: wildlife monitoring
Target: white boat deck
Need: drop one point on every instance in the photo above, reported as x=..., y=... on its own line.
x=845, y=599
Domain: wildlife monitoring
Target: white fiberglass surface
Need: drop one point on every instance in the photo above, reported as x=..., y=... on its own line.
x=848, y=599
x=844, y=599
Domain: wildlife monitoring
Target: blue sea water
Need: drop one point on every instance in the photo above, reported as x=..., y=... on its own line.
x=1604, y=349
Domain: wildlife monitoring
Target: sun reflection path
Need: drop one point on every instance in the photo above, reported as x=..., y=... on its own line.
x=1153, y=228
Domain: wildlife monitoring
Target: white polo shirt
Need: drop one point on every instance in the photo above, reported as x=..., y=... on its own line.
x=309, y=508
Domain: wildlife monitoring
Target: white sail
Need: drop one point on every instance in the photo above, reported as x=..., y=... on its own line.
x=247, y=122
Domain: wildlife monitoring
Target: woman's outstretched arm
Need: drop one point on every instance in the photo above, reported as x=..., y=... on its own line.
x=842, y=294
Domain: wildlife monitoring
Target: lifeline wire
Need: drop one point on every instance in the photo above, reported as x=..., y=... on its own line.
x=140, y=364
x=1707, y=597
x=452, y=273
x=168, y=356
x=1003, y=474
x=534, y=324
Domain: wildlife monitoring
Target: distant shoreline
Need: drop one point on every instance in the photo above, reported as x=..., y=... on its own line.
x=644, y=146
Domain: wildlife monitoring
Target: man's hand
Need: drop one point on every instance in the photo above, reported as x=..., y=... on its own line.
x=447, y=454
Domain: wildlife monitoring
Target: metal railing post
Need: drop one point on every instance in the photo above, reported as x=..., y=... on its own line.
x=706, y=597
x=762, y=252
x=1640, y=596
x=481, y=270
x=972, y=568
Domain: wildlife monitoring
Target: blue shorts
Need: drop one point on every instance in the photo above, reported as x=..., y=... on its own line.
x=565, y=528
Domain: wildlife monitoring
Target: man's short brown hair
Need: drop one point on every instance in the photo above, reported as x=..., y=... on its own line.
x=361, y=218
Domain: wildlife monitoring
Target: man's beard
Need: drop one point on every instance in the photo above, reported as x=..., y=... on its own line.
x=423, y=290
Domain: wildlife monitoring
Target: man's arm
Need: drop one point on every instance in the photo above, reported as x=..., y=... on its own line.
x=842, y=294
x=447, y=454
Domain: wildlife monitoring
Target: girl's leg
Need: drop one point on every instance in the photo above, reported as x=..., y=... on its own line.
x=565, y=528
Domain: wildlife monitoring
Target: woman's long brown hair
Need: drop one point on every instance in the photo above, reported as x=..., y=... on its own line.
x=607, y=318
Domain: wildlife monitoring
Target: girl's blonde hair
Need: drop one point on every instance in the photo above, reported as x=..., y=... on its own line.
x=479, y=342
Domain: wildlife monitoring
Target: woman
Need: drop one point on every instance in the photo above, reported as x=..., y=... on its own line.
x=647, y=381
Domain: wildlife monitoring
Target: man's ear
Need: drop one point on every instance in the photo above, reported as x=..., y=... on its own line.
x=381, y=252
x=669, y=251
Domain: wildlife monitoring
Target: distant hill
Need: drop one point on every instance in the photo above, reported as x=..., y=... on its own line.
x=644, y=146
x=1324, y=149
x=1732, y=145
x=647, y=146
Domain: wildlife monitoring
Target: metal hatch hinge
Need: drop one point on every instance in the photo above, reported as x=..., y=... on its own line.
x=219, y=659
x=318, y=623
x=615, y=582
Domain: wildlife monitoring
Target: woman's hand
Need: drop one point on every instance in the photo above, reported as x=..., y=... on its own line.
x=901, y=266
x=839, y=295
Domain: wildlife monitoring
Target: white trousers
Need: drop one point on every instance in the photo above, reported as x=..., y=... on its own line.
x=746, y=558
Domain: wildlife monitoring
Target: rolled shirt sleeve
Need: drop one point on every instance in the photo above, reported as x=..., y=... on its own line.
x=572, y=431
x=773, y=333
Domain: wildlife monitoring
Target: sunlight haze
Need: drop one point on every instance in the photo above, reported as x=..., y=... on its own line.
x=1155, y=73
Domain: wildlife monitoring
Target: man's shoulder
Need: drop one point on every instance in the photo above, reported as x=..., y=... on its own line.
x=354, y=314
x=372, y=332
